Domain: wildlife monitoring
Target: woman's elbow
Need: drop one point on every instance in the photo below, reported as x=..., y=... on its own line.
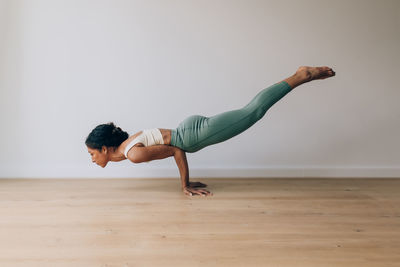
x=135, y=158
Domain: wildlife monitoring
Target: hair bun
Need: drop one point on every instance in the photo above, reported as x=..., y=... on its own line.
x=106, y=135
x=116, y=130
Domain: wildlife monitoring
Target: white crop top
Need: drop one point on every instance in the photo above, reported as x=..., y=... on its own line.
x=148, y=137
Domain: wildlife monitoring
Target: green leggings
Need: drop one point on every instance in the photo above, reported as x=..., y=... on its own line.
x=196, y=132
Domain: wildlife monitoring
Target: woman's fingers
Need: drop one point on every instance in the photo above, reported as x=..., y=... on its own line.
x=203, y=192
x=194, y=191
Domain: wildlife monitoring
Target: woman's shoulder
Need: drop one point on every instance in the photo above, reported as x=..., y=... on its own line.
x=129, y=141
x=132, y=137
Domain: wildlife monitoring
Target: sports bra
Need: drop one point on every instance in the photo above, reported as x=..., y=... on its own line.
x=149, y=137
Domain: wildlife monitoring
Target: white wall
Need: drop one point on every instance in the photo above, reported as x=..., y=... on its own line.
x=67, y=66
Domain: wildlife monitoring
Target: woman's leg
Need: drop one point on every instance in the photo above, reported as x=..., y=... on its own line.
x=197, y=132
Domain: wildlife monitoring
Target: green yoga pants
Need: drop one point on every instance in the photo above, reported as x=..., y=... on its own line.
x=197, y=132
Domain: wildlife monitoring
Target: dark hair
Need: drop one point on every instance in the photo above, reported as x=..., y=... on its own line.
x=107, y=135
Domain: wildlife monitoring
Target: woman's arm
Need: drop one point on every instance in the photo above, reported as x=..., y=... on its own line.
x=140, y=154
x=181, y=162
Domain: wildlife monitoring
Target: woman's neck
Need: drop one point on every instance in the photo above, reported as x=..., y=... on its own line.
x=116, y=155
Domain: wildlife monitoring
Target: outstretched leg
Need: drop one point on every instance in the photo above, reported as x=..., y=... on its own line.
x=197, y=132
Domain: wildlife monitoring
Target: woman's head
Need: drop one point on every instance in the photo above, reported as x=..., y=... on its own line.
x=102, y=139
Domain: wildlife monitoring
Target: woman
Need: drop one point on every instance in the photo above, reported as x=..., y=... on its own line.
x=109, y=143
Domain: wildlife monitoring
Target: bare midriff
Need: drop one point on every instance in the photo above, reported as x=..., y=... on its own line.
x=166, y=134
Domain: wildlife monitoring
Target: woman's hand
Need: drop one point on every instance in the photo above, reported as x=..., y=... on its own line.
x=190, y=191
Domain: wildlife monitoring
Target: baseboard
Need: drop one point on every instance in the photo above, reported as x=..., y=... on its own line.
x=195, y=172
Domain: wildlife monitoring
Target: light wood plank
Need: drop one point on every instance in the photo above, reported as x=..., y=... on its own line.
x=248, y=222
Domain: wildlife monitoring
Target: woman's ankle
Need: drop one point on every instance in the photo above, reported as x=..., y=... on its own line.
x=296, y=79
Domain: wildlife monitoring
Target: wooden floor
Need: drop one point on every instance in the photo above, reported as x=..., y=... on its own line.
x=248, y=222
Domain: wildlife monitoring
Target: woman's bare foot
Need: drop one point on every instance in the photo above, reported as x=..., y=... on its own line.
x=315, y=73
x=307, y=74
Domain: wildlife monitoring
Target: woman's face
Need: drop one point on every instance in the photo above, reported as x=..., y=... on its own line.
x=99, y=157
